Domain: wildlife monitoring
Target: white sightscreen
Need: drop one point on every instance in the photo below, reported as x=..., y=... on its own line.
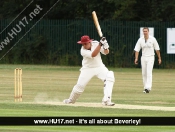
x=170, y=40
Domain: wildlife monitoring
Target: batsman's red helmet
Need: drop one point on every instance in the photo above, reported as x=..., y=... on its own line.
x=84, y=39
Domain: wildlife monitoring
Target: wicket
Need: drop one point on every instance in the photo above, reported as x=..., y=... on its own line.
x=18, y=84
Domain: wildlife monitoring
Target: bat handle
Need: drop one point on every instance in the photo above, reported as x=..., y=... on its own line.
x=103, y=38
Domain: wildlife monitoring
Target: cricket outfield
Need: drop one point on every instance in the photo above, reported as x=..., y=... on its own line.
x=44, y=88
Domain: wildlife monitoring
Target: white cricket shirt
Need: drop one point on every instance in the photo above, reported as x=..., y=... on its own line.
x=147, y=47
x=89, y=61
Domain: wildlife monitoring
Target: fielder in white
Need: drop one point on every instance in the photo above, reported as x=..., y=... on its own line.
x=92, y=65
x=148, y=44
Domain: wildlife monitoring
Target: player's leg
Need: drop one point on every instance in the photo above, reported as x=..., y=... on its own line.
x=109, y=79
x=144, y=71
x=108, y=87
x=78, y=89
x=149, y=72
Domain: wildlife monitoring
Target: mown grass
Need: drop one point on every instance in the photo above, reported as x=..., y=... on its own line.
x=54, y=83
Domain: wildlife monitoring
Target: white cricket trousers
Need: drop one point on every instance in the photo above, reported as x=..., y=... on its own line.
x=147, y=63
x=87, y=74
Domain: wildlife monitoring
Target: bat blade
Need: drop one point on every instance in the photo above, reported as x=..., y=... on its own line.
x=97, y=25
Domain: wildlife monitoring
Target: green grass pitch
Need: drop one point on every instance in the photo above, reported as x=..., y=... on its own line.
x=43, y=83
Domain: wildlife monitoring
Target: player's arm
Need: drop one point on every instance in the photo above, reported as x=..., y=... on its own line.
x=137, y=49
x=157, y=49
x=159, y=57
x=136, y=57
x=96, y=51
x=106, y=51
x=102, y=42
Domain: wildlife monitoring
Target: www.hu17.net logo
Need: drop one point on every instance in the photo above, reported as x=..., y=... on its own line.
x=19, y=26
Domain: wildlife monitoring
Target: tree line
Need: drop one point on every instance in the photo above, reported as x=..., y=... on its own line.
x=124, y=10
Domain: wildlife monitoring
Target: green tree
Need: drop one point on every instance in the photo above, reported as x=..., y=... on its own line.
x=125, y=10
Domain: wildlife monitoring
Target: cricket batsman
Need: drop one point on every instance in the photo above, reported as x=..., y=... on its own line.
x=92, y=65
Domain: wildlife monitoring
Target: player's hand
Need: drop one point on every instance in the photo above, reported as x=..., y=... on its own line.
x=159, y=61
x=136, y=61
x=106, y=46
x=103, y=40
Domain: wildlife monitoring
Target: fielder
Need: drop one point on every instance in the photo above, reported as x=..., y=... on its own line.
x=148, y=44
x=92, y=65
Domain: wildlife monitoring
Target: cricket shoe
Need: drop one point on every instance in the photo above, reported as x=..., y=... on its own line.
x=67, y=101
x=108, y=103
x=146, y=91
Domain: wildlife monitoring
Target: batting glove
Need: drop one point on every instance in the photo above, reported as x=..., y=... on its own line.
x=106, y=46
x=103, y=40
